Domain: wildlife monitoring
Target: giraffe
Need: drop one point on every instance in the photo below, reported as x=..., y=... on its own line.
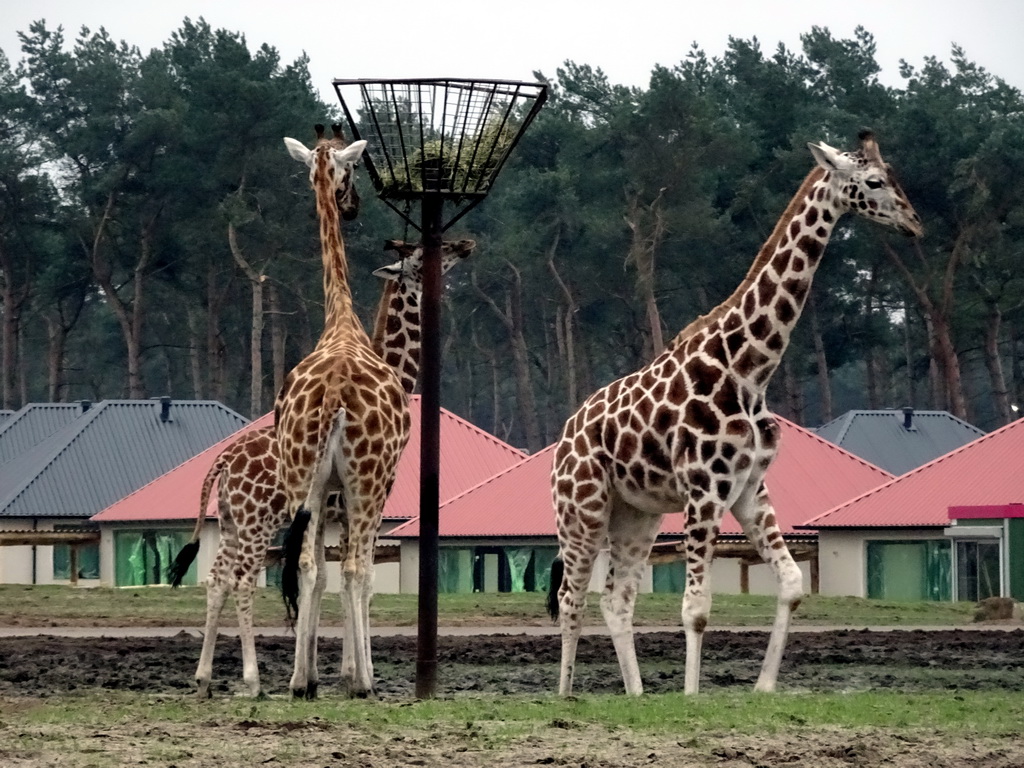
x=342, y=422
x=691, y=431
x=251, y=503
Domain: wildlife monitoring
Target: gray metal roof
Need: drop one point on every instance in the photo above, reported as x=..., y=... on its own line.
x=112, y=449
x=883, y=438
x=22, y=429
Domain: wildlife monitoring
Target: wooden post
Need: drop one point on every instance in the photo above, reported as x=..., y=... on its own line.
x=74, y=565
x=744, y=578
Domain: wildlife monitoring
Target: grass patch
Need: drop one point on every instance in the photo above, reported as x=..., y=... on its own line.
x=22, y=605
x=992, y=713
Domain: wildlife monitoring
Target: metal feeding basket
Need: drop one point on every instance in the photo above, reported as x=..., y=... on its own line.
x=446, y=138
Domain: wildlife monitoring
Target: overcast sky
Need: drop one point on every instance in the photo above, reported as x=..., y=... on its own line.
x=510, y=39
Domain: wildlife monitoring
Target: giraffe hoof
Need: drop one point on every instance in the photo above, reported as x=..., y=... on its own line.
x=311, y=690
x=298, y=693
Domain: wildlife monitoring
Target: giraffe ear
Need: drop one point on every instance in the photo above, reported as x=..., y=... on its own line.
x=829, y=158
x=352, y=152
x=389, y=272
x=299, y=151
x=464, y=247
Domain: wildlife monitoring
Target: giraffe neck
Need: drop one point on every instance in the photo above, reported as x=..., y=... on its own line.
x=396, y=331
x=754, y=324
x=339, y=315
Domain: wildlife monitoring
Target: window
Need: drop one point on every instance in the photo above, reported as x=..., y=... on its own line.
x=143, y=557
x=977, y=569
x=669, y=577
x=909, y=570
x=88, y=558
x=494, y=569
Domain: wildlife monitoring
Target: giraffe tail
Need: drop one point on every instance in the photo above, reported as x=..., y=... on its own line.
x=177, y=570
x=557, y=572
x=290, y=553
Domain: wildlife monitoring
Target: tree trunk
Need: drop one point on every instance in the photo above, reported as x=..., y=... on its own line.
x=195, y=356
x=57, y=337
x=648, y=228
x=993, y=363
x=520, y=357
x=492, y=367
x=824, y=385
x=215, y=351
x=277, y=339
x=938, y=313
x=256, y=336
x=11, y=312
x=512, y=319
x=566, y=324
x=948, y=367
x=13, y=301
x=1016, y=370
x=936, y=384
x=908, y=353
x=129, y=315
x=794, y=396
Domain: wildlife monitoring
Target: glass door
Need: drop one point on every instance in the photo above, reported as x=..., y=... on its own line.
x=977, y=570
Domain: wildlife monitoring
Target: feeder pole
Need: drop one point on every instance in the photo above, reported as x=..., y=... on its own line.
x=430, y=446
x=472, y=126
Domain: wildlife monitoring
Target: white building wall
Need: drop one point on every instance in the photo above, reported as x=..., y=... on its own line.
x=725, y=577
x=842, y=556
x=16, y=562
x=409, y=576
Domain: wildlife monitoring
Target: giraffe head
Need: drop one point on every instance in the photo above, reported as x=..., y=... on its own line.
x=408, y=270
x=863, y=183
x=332, y=163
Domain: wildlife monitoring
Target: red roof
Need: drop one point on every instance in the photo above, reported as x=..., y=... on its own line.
x=468, y=456
x=987, y=471
x=175, y=494
x=809, y=475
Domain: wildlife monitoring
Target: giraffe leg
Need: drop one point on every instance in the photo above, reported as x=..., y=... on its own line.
x=217, y=589
x=358, y=580
x=306, y=579
x=319, y=587
x=367, y=599
x=757, y=517
x=243, y=606
x=312, y=577
x=348, y=661
x=631, y=534
x=216, y=596
x=580, y=535
x=702, y=525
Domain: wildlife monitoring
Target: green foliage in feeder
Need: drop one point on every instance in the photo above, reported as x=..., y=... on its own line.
x=462, y=164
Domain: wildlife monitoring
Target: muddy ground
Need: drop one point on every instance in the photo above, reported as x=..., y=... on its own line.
x=849, y=660
x=910, y=661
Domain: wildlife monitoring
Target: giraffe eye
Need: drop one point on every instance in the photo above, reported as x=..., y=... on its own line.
x=875, y=183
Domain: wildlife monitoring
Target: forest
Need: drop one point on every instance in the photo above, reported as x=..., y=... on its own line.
x=156, y=238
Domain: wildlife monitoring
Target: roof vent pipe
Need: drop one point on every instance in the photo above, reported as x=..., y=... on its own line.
x=85, y=405
x=165, y=409
x=908, y=418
